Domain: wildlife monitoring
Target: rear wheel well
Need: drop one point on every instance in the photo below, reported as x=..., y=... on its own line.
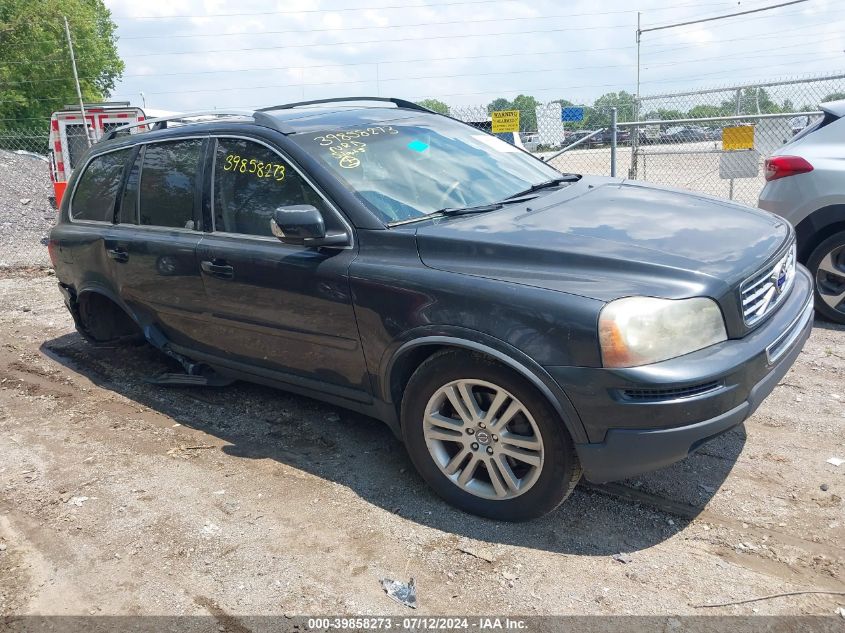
x=809, y=235
x=103, y=320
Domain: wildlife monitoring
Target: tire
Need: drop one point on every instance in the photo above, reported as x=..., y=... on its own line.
x=538, y=485
x=827, y=266
x=103, y=322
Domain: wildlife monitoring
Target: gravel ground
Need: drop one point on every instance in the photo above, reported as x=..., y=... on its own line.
x=25, y=212
x=118, y=497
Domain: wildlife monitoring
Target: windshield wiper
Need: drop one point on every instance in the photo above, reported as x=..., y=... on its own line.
x=546, y=184
x=454, y=211
x=481, y=208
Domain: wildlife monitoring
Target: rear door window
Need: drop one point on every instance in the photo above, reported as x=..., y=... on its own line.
x=169, y=176
x=97, y=189
x=251, y=181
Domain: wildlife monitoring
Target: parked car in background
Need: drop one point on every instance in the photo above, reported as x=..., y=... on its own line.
x=805, y=183
x=798, y=123
x=683, y=134
x=530, y=141
x=515, y=326
x=712, y=134
x=573, y=137
x=602, y=138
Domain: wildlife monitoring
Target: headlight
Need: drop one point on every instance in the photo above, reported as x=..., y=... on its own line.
x=641, y=330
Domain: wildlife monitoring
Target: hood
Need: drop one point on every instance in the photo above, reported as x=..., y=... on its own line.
x=607, y=239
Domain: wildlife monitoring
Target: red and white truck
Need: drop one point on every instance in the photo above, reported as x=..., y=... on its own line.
x=68, y=131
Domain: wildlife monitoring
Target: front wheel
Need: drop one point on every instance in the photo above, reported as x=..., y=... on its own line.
x=827, y=265
x=485, y=440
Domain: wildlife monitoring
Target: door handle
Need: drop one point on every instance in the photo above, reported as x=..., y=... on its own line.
x=118, y=254
x=218, y=268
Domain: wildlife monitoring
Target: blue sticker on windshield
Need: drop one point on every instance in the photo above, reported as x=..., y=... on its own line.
x=418, y=146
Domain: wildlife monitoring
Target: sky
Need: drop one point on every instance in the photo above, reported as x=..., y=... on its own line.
x=207, y=54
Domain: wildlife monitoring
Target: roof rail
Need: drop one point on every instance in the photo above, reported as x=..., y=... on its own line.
x=161, y=122
x=399, y=103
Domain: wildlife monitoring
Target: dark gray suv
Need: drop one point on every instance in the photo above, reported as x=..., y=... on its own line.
x=513, y=325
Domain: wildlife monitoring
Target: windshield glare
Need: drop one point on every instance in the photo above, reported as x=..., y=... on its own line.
x=412, y=167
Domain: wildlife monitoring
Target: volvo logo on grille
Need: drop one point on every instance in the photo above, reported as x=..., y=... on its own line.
x=779, y=278
x=482, y=437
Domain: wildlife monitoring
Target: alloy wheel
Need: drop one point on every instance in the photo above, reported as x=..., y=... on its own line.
x=483, y=439
x=830, y=279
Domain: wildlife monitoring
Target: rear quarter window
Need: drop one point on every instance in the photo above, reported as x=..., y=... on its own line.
x=96, y=191
x=168, y=184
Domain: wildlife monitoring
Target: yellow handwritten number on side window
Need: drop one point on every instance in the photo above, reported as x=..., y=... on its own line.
x=258, y=168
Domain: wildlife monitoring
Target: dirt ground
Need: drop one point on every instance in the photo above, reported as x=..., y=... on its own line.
x=118, y=497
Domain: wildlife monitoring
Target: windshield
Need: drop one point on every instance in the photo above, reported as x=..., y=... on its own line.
x=415, y=166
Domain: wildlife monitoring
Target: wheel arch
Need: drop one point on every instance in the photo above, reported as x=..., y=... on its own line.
x=817, y=227
x=409, y=355
x=96, y=293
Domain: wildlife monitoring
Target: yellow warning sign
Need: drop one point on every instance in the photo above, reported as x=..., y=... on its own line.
x=739, y=137
x=505, y=121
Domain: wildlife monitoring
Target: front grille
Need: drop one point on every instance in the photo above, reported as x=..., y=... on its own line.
x=763, y=291
x=661, y=395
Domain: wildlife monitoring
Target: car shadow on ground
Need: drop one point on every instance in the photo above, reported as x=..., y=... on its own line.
x=828, y=325
x=362, y=454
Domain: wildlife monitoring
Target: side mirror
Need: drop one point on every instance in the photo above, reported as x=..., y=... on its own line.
x=303, y=225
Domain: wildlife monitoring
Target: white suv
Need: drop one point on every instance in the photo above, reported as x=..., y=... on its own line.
x=806, y=185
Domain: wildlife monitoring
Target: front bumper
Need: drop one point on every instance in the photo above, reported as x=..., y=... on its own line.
x=643, y=418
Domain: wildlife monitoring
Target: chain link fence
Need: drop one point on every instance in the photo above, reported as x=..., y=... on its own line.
x=672, y=139
x=716, y=140
x=26, y=212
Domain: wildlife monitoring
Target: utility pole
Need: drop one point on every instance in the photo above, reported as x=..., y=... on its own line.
x=635, y=115
x=636, y=132
x=76, y=80
x=639, y=37
x=640, y=30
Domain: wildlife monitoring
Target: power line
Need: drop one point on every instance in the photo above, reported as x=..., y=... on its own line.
x=390, y=61
x=50, y=61
x=526, y=90
x=324, y=44
x=367, y=28
x=353, y=43
x=773, y=35
x=735, y=70
x=389, y=7
x=752, y=19
x=801, y=44
x=344, y=82
x=389, y=26
x=523, y=71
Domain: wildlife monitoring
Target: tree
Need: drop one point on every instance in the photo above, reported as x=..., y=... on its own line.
x=833, y=96
x=705, y=111
x=499, y=104
x=434, y=104
x=527, y=107
x=598, y=116
x=36, y=77
x=752, y=101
